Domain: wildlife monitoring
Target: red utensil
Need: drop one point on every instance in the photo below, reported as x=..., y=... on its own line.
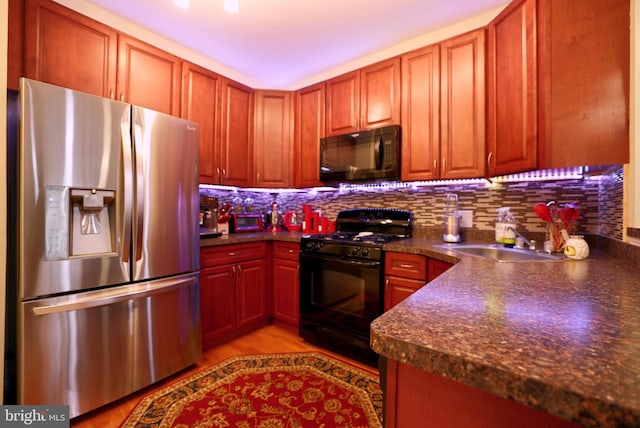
x=542, y=210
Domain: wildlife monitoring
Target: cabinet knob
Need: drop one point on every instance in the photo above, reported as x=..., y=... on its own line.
x=489, y=160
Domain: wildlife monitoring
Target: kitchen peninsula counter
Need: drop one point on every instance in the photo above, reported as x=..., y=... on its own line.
x=559, y=336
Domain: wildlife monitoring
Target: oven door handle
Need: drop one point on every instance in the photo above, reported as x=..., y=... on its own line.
x=367, y=264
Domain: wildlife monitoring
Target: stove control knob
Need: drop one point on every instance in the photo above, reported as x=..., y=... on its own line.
x=365, y=252
x=354, y=251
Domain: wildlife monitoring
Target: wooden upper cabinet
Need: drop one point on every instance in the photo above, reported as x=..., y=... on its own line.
x=343, y=104
x=511, y=90
x=65, y=48
x=420, y=114
x=15, y=43
x=273, y=138
x=309, y=129
x=462, y=108
x=236, y=149
x=380, y=94
x=148, y=76
x=364, y=99
x=583, y=94
x=443, y=109
x=201, y=91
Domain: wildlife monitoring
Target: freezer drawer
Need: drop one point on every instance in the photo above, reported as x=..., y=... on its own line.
x=89, y=349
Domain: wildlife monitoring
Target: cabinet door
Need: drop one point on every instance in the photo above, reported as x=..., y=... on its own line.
x=236, y=151
x=511, y=90
x=286, y=291
x=462, y=116
x=217, y=302
x=420, y=114
x=436, y=268
x=273, y=141
x=343, y=104
x=309, y=123
x=67, y=49
x=252, y=295
x=15, y=43
x=380, y=94
x=148, y=77
x=583, y=99
x=200, y=103
x=397, y=289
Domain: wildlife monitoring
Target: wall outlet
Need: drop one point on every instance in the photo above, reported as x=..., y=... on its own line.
x=466, y=218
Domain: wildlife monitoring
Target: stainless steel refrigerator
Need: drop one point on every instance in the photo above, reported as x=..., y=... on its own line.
x=105, y=269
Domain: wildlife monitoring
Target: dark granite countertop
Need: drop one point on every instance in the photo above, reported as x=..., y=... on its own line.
x=239, y=238
x=560, y=336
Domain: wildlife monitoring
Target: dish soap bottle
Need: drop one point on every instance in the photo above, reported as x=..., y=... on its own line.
x=500, y=225
x=509, y=225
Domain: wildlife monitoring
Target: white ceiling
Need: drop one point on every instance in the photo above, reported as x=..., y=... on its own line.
x=280, y=43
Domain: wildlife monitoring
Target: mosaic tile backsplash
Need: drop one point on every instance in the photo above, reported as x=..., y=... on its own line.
x=600, y=201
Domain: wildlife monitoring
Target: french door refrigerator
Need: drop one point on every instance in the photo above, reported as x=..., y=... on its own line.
x=104, y=273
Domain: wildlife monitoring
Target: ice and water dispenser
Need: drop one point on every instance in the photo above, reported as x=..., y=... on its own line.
x=79, y=222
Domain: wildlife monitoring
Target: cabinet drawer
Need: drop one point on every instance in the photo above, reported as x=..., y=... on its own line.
x=232, y=253
x=286, y=250
x=403, y=265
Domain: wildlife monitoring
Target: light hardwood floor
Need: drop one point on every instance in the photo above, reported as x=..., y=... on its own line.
x=267, y=340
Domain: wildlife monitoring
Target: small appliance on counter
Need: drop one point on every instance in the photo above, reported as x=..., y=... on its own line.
x=451, y=232
x=209, y=217
x=246, y=222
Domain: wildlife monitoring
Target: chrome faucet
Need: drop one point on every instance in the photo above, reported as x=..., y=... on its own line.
x=521, y=239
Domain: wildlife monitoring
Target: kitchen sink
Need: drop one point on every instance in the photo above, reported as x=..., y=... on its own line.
x=499, y=253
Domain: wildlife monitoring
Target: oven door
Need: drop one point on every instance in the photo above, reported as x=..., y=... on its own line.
x=344, y=294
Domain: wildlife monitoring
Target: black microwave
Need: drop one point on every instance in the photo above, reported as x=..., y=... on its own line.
x=372, y=155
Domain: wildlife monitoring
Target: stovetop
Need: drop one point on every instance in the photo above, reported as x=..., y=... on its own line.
x=361, y=233
x=355, y=237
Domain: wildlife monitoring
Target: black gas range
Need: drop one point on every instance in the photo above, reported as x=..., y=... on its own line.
x=342, y=279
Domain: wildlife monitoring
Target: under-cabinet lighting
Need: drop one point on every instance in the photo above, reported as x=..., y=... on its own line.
x=575, y=173
x=266, y=190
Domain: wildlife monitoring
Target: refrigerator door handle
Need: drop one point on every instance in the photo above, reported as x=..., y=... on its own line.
x=125, y=131
x=140, y=291
x=140, y=186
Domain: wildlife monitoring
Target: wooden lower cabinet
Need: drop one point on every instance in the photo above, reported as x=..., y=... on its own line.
x=285, y=281
x=403, y=275
x=407, y=273
x=234, y=296
x=436, y=268
x=414, y=397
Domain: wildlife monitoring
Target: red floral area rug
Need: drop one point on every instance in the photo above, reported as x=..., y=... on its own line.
x=267, y=391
